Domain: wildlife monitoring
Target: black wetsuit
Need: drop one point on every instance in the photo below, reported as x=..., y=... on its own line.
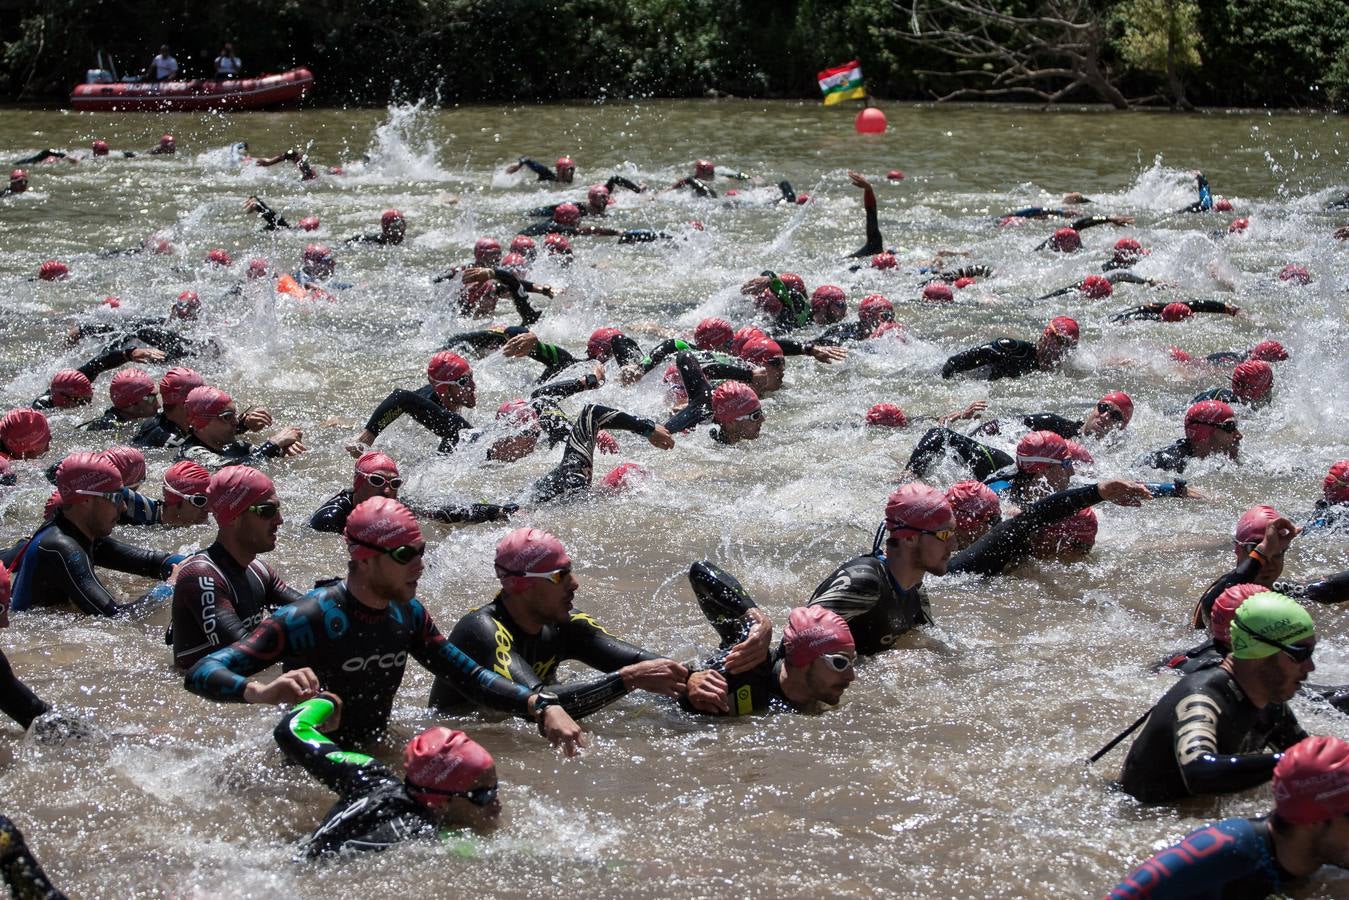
x=381, y=239
x=235, y=453
x=1327, y=516
x=494, y=640
x=158, y=431
x=877, y=609
x=1153, y=311
x=838, y=333
x=57, y=567
x=109, y=359
x=574, y=472
x=1205, y=737
x=153, y=333
x=332, y=515
x=1066, y=428
x=1114, y=277
x=538, y=168
x=697, y=185
x=357, y=652
x=1003, y=358
x=1331, y=589
x=553, y=358
x=110, y=420
x=426, y=409
x=17, y=700
x=216, y=602
x=1081, y=224
x=875, y=243
x=627, y=236
x=373, y=810
x=1204, y=203
x=1173, y=457
x=1229, y=396
x=20, y=870
x=981, y=459
x=1008, y=543
x=271, y=219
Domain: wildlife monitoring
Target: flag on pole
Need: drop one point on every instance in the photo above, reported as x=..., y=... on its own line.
x=842, y=83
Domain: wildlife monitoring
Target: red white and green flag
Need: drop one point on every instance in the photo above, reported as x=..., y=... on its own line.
x=842, y=83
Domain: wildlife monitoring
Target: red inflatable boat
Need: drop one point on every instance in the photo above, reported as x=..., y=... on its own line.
x=182, y=96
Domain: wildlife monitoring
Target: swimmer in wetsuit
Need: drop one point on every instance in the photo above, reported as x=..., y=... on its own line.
x=55, y=566
x=214, y=443
x=1265, y=856
x=565, y=171
x=307, y=172
x=1331, y=512
x=1209, y=733
x=392, y=228
x=435, y=406
x=1069, y=239
x=531, y=626
x=18, y=183
x=1210, y=430
x=880, y=594
x=133, y=399
x=17, y=700
x=353, y=638
x=225, y=591
x=20, y=869
x=1164, y=312
x=566, y=220
x=377, y=476
x=1252, y=386
x=449, y=781
x=1012, y=358
x=574, y=473
x=733, y=405
x=170, y=428
x=271, y=219
x=875, y=243
x=151, y=339
x=1204, y=202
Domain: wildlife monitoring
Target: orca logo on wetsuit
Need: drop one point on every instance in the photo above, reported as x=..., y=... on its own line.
x=380, y=661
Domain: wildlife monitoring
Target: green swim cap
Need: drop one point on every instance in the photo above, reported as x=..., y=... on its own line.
x=1270, y=615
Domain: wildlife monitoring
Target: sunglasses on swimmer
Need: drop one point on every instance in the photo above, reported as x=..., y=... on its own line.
x=756, y=416
x=402, y=555
x=1297, y=652
x=197, y=500
x=1110, y=411
x=116, y=497
x=374, y=479
x=1230, y=426
x=943, y=535
x=838, y=661
x=556, y=576
x=265, y=510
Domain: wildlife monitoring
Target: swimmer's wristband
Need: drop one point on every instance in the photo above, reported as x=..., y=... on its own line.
x=543, y=700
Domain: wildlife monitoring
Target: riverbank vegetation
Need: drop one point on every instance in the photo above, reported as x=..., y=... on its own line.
x=1291, y=53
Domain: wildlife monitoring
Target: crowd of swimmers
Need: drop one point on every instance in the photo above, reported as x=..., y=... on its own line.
x=1224, y=725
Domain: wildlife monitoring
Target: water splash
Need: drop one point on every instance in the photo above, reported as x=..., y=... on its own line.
x=403, y=146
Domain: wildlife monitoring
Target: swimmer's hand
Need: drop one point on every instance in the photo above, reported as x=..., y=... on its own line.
x=520, y=346
x=973, y=411
x=753, y=650
x=334, y=720
x=147, y=355
x=544, y=289
x=827, y=354
x=1278, y=535
x=658, y=676
x=599, y=372
x=756, y=285
x=254, y=419
x=361, y=445
x=1123, y=493
x=661, y=438
x=289, y=687
x=561, y=729
x=476, y=275
x=1120, y=220
x=707, y=692
x=630, y=375
x=859, y=179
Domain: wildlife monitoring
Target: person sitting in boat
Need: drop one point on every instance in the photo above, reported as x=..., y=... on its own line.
x=163, y=67
x=227, y=65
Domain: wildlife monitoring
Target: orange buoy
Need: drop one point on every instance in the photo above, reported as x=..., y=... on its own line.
x=870, y=121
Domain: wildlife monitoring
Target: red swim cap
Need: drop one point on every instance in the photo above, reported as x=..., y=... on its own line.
x=1096, y=287
x=71, y=387
x=1294, y=272
x=130, y=463
x=86, y=472
x=812, y=632
x=884, y=260
x=487, y=251
x=176, y=384
x=515, y=263
x=100, y=148
x=1239, y=225
x=1123, y=401
x=528, y=550
x=309, y=223
x=831, y=298
x=887, y=415
x=565, y=162
x=1225, y=610
x=258, y=268
x=733, y=401
x=1311, y=781
x=794, y=283
x=894, y=175
x=1179, y=355
x=1252, y=380
x=557, y=244
x=25, y=432
x=186, y=479
x=390, y=216
x=443, y=760
x=447, y=368
x=974, y=503
x=567, y=214
x=317, y=253
x=1128, y=250
x=381, y=522
x=597, y=195
x=129, y=387
x=702, y=169
x=1075, y=532
x=1079, y=454
x=874, y=309
x=938, y=291
x=762, y=351
x=1065, y=240
x=624, y=476
x=601, y=343
x=713, y=333
x=111, y=302
x=1064, y=328
x=218, y=257
x=187, y=305
x=374, y=462
x=53, y=270
x=1251, y=526
x=1176, y=312
x=743, y=336
x=1269, y=351
x=204, y=404
x=523, y=245
x=1336, y=484
x=801, y=199
x=962, y=283
x=1208, y=412
x=18, y=175
x=1222, y=204
x=166, y=140
x=520, y=414
x=918, y=507
x=1040, y=451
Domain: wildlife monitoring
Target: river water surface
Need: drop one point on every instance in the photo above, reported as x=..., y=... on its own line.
x=955, y=765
